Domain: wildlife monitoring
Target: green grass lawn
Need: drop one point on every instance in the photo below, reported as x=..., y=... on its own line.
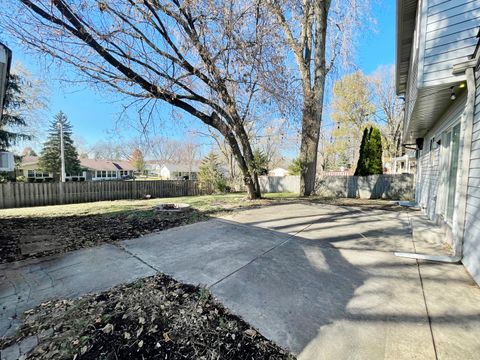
x=208, y=203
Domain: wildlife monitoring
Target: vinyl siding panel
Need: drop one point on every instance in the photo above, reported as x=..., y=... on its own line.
x=450, y=38
x=471, y=242
x=428, y=176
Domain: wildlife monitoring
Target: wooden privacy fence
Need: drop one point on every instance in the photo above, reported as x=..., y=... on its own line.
x=14, y=195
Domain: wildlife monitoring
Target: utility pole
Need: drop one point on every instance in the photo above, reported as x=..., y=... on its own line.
x=62, y=153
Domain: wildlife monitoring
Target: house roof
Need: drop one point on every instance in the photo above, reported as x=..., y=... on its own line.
x=114, y=165
x=29, y=160
x=406, y=19
x=91, y=164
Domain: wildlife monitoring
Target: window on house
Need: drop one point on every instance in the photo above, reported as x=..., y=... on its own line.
x=31, y=173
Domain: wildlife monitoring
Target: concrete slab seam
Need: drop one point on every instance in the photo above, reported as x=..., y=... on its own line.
x=260, y=255
x=423, y=293
x=121, y=247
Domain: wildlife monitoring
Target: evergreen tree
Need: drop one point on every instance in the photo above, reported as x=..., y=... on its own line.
x=361, y=169
x=50, y=154
x=11, y=117
x=260, y=162
x=295, y=167
x=370, y=157
x=375, y=165
x=209, y=174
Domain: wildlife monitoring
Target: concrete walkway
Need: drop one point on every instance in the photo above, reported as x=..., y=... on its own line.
x=319, y=280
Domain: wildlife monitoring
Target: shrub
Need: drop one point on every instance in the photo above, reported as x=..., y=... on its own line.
x=209, y=175
x=295, y=167
x=370, y=157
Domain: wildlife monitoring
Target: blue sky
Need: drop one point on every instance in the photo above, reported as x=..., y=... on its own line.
x=94, y=115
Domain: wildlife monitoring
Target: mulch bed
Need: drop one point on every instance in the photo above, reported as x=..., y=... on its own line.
x=153, y=318
x=31, y=237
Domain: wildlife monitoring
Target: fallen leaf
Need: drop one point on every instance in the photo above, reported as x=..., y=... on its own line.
x=166, y=337
x=108, y=329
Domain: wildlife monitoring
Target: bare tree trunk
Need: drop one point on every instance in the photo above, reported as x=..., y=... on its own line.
x=313, y=103
x=308, y=147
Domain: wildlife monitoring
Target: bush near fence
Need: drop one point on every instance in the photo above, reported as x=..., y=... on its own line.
x=14, y=195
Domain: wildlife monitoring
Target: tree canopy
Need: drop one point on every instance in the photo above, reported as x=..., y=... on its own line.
x=138, y=161
x=209, y=59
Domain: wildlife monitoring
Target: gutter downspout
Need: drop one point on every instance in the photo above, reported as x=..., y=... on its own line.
x=458, y=230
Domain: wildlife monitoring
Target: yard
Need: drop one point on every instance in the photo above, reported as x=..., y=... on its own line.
x=40, y=231
x=155, y=315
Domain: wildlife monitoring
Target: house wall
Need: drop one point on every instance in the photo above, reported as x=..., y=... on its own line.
x=449, y=37
x=165, y=173
x=428, y=193
x=471, y=243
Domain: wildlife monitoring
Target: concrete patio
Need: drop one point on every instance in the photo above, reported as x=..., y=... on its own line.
x=319, y=280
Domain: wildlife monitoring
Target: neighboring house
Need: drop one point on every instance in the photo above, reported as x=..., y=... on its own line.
x=153, y=167
x=173, y=171
x=180, y=171
x=405, y=164
x=91, y=170
x=30, y=169
x=437, y=71
x=106, y=169
x=278, y=172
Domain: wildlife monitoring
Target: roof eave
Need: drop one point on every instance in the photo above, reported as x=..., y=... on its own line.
x=401, y=32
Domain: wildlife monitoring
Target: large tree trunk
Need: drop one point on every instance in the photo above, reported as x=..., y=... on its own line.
x=313, y=102
x=311, y=121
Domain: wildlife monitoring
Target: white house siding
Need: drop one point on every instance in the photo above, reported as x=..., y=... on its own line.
x=471, y=244
x=428, y=177
x=450, y=37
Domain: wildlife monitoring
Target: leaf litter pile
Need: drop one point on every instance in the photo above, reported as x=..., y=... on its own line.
x=153, y=318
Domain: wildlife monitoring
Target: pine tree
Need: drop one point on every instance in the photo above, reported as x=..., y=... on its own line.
x=50, y=154
x=295, y=167
x=11, y=117
x=260, y=162
x=209, y=174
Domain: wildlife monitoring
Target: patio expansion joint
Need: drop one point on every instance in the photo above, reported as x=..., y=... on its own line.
x=124, y=249
x=290, y=237
x=430, y=325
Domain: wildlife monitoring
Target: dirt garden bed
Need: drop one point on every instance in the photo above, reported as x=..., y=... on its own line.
x=153, y=318
x=27, y=237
